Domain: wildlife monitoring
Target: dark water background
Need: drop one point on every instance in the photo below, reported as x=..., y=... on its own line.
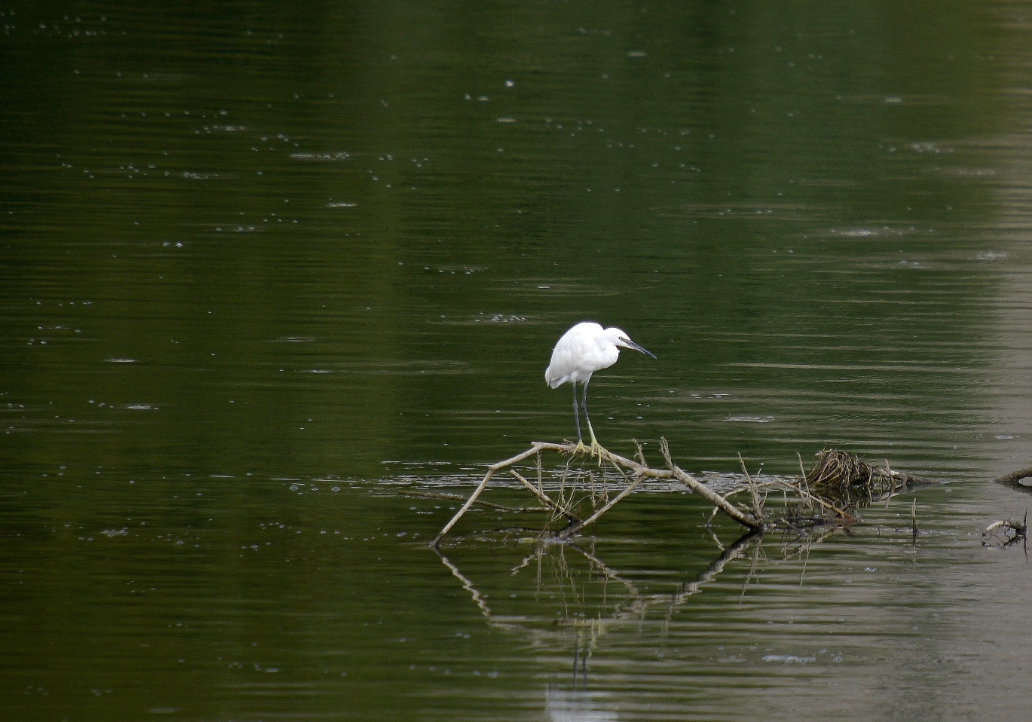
x=266, y=269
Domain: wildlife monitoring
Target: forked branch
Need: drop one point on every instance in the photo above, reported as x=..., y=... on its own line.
x=632, y=472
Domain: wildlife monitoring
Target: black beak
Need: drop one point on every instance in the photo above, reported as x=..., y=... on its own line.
x=636, y=347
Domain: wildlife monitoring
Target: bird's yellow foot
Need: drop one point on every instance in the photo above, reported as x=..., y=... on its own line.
x=596, y=449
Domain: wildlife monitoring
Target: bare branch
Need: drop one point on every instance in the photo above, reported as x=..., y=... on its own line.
x=836, y=470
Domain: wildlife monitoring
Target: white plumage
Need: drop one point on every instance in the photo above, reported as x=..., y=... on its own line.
x=581, y=351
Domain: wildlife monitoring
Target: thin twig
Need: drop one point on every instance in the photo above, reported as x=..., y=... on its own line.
x=757, y=509
x=544, y=498
x=802, y=474
x=577, y=526
x=810, y=497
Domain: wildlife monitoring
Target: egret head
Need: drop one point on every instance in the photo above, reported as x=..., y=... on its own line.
x=620, y=338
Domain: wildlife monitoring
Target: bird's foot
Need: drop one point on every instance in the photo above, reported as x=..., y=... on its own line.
x=596, y=449
x=593, y=449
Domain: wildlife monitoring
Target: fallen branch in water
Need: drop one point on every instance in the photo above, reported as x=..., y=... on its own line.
x=633, y=473
x=833, y=471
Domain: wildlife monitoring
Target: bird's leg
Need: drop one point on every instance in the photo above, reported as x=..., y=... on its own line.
x=595, y=448
x=576, y=418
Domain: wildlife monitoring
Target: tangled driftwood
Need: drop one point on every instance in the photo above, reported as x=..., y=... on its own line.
x=812, y=507
x=835, y=469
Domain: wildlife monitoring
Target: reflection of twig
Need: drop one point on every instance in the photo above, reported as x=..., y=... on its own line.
x=466, y=584
x=751, y=573
x=605, y=570
x=815, y=534
x=717, y=565
x=913, y=518
x=534, y=554
x=590, y=628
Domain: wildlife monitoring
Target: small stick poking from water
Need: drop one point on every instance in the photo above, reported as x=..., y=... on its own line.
x=757, y=506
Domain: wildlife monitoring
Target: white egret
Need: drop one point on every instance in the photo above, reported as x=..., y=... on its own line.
x=583, y=350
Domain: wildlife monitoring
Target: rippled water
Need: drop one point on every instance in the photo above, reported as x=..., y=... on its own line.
x=276, y=281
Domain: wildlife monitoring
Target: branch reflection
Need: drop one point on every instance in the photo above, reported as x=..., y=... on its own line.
x=578, y=596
